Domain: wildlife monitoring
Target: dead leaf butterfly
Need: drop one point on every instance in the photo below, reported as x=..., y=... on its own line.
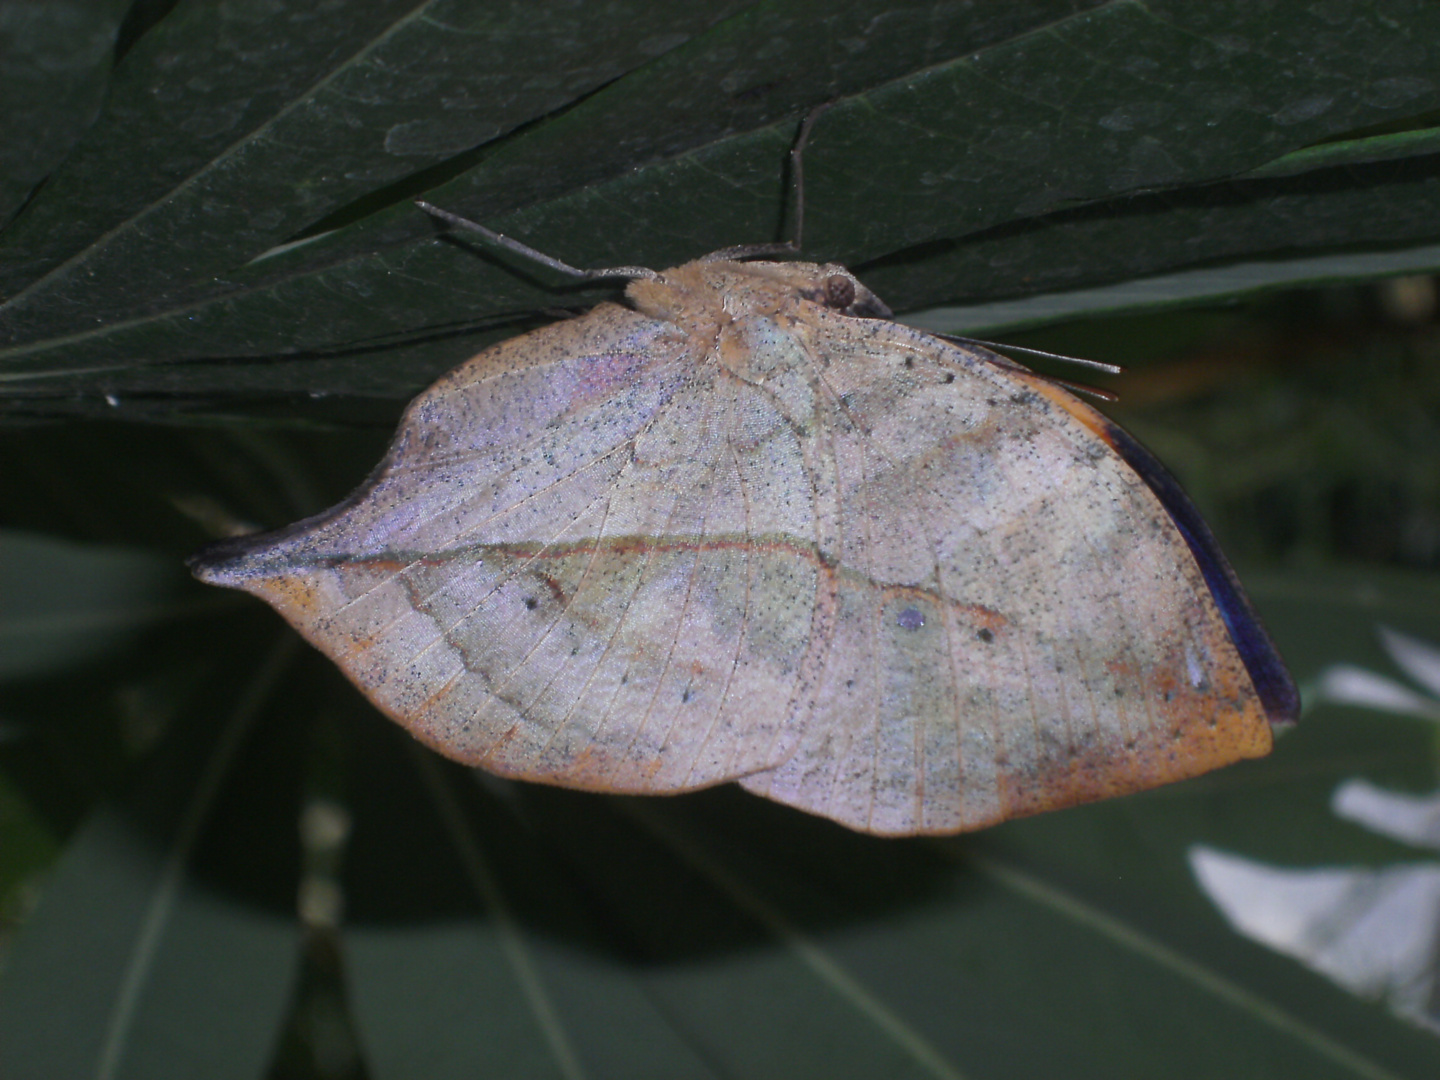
x=747, y=528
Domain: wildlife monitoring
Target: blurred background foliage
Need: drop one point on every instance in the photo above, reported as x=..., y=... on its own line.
x=216, y=859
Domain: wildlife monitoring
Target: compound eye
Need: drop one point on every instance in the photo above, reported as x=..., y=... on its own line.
x=839, y=291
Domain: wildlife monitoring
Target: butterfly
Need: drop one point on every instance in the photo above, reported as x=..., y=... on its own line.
x=748, y=528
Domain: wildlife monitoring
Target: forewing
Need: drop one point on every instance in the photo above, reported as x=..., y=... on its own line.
x=571, y=567
x=1018, y=623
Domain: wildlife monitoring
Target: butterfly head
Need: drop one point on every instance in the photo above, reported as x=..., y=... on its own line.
x=716, y=286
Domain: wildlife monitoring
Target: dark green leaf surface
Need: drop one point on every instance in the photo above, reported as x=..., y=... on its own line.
x=1300, y=203
x=65, y=604
x=967, y=156
x=443, y=881
x=54, y=64
x=253, y=122
x=165, y=943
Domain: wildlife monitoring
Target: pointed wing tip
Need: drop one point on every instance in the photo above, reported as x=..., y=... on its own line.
x=1277, y=689
x=207, y=568
x=223, y=562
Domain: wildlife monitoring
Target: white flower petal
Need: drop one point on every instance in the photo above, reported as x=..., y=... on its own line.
x=1418, y=659
x=1373, y=932
x=1344, y=684
x=1411, y=819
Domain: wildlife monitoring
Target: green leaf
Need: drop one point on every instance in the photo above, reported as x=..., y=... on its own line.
x=54, y=64
x=469, y=945
x=967, y=155
x=286, y=113
x=163, y=945
x=66, y=604
x=27, y=847
x=1389, y=182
